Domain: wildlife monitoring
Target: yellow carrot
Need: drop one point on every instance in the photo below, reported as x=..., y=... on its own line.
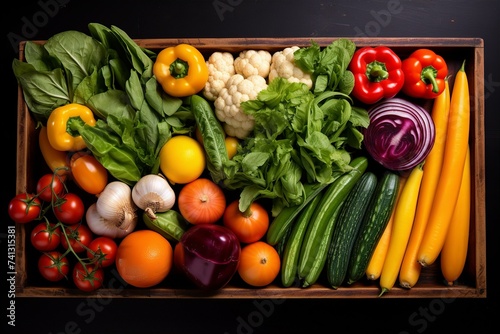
x=445, y=198
x=410, y=268
x=454, y=252
x=401, y=229
x=376, y=263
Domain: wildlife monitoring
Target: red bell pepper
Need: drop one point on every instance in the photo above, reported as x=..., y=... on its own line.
x=425, y=74
x=377, y=74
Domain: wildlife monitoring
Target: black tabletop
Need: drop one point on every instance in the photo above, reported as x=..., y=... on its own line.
x=39, y=20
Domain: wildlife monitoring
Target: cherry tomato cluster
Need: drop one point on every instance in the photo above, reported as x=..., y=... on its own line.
x=60, y=231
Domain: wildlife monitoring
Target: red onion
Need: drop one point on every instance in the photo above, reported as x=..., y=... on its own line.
x=400, y=135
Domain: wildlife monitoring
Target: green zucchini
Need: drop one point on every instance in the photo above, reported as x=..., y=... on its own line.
x=320, y=260
x=374, y=222
x=331, y=199
x=294, y=241
x=347, y=228
x=286, y=217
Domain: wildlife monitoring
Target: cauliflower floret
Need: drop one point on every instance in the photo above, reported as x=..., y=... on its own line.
x=220, y=69
x=283, y=65
x=253, y=62
x=227, y=106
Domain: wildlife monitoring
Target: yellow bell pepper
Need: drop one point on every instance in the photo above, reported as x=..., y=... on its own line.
x=60, y=137
x=181, y=70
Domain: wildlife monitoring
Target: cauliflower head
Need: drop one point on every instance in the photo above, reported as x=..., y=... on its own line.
x=253, y=62
x=227, y=106
x=283, y=65
x=220, y=69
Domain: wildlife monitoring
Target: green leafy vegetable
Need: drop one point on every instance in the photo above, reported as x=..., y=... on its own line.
x=301, y=136
x=112, y=75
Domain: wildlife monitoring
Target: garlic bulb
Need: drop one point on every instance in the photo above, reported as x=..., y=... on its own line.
x=114, y=209
x=152, y=193
x=104, y=227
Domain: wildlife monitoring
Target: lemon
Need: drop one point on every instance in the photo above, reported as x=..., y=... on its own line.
x=182, y=159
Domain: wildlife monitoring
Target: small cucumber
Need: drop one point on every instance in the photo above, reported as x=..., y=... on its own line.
x=320, y=260
x=169, y=224
x=331, y=199
x=347, y=228
x=286, y=217
x=213, y=136
x=374, y=222
x=280, y=246
x=292, y=247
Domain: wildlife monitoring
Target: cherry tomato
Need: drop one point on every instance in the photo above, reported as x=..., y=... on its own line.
x=103, y=249
x=88, y=278
x=80, y=237
x=231, y=146
x=46, y=236
x=49, y=186
x=249, y=226
x=259, y=264
x=201, y=201
x=88, y=173
x=70, y=210
x=24, y=208
x=53, y=266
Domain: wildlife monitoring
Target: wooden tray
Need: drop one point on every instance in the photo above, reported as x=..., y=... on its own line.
x=472, y=283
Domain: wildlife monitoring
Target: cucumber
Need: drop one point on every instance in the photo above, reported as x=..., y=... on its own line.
x=347, y=228
x=283, y=221
x=374, y=222
x=213, y=136
x=331, y=199
x=280, y=246
x=320, y=260
x=294, y=241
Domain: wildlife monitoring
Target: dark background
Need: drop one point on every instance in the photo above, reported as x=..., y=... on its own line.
x=259, y=18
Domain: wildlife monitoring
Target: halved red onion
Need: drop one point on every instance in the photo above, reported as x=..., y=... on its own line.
x=400, y=135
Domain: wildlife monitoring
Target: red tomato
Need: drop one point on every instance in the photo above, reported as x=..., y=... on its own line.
x=46, y=236
x=70, y=210
x=88, y=173
x=53, y=266
x=80, y=237
x=249, y=226
x=88, y=278
x=24, y=208
x=49, y=186
x=103, y=249
x=259, y=264
x=201, y=201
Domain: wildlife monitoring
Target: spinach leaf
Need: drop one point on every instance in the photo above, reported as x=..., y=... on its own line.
x=43, y=91
x=119, y=160
x=80, y=55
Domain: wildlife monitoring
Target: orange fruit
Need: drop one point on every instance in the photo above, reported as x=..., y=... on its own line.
x=182, y=159
x=259, y=264
x=144, y=258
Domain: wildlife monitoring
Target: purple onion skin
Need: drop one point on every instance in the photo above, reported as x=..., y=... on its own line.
x=401, y=134
x=208, y=255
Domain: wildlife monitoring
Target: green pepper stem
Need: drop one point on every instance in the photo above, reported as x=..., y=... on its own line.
x=376, y=71
x=179, y=68
x=428, y=75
